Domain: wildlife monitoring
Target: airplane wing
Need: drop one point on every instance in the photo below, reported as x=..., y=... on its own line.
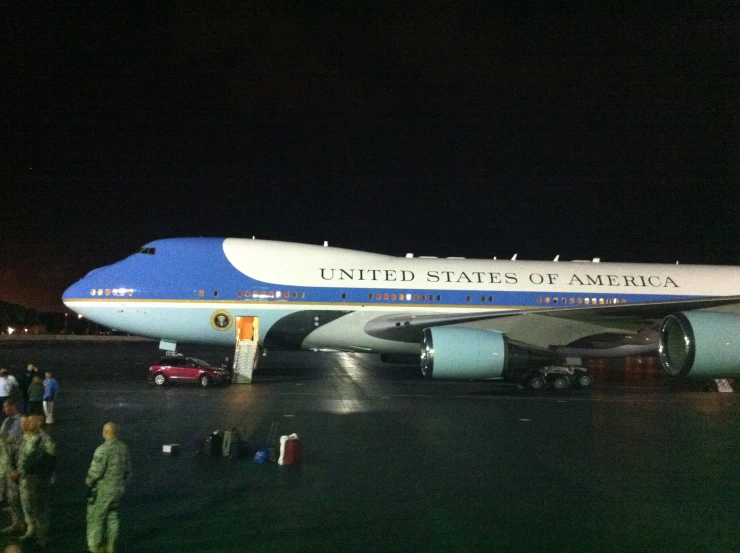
x=628, y=317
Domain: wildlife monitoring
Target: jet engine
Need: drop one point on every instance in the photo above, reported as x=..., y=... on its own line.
x=702, y=344
x=470, y=353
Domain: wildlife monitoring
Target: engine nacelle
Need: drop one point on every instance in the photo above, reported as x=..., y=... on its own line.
x=701, y=344
x=470, y=353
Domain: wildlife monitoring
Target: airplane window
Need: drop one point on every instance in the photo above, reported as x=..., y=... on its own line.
x=424, y=297
x=593, y=300
x=377, y=296
x=580, y=301
x=92, y=292
x=239, y=293
x=344, y=296
x=385, y=296
x=439, y=298
x=562, y=300
x=539, y=300
x=294, y=294
x=601, y=301
x=547, y=300
x=572, y=301
x=272, y=294
x=408, y=297
x=201, y=293
x=246, y=293
x=278, y=294
x=303, y=294
x=624, y=301
x=130, y=292
x=416, y=297
x=588, y=301
x=468, y=298
x=100, y=291
x=554, y=300
x=490, y=298
x=215, y=293
x=393, y=296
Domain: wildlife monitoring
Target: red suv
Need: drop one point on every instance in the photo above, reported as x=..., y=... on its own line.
x=187, y=369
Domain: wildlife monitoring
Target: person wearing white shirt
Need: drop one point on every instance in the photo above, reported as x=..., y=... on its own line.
x=8, y=383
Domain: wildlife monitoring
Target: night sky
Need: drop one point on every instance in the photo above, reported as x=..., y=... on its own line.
x=439, y=128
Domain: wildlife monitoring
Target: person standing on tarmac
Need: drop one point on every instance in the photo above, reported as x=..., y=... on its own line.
x=106, y=482
x=35, y=405
x=50, y=393
x=10, y=438
x=35, y=468
x=7, y=384
x=25, y=381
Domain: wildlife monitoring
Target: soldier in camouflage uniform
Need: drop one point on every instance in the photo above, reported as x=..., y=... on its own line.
x=106, y=482
x=35, y=467
x=11, y=434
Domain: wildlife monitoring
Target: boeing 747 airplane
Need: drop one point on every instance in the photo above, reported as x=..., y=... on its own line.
x=463, y=318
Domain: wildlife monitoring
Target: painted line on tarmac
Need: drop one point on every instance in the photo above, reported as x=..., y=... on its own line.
x=660, y=397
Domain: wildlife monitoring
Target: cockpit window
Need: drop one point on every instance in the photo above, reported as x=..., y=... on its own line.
x=148, y=251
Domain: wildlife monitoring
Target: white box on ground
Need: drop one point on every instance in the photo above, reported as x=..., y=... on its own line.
x=170, y=449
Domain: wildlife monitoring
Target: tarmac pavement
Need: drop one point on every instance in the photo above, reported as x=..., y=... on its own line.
x=393, y=462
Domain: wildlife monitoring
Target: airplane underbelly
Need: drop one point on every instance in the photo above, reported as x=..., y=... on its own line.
x=347, y=333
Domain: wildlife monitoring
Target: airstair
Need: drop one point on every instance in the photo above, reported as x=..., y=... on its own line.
x=247, y=351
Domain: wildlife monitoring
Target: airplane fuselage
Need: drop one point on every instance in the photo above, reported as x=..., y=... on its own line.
x=306, y=296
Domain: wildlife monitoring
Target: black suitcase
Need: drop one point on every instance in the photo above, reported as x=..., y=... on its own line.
x=239, y=450
x=215, y=444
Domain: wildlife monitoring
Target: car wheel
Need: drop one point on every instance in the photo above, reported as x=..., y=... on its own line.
x=205, y=381
x=160, y=379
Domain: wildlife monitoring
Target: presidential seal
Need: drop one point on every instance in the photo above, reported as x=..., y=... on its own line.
x=221, y=320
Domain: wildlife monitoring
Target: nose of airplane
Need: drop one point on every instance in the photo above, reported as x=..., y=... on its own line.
x=78, y=290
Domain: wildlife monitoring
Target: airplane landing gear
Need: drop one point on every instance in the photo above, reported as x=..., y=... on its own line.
x=558, y=378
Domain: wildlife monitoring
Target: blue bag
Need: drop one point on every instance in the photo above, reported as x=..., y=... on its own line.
x=262, y=455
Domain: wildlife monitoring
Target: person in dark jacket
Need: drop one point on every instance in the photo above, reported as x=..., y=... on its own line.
x=25, y=381
x=35, y=396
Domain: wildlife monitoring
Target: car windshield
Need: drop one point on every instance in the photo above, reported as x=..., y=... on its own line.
x=200, y=362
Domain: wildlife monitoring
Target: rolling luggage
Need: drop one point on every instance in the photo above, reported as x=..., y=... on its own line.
x=215, y=443
x=265, y=454
x=239, y=450
x=231, y=438
x=290, y=450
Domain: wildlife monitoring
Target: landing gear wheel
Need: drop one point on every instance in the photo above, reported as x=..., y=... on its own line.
x=584, y=380
x=205, y=381
x=559, y=382
x=160, y=379
x=535, y=382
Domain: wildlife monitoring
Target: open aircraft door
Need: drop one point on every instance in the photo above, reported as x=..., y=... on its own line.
x=246, y=353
